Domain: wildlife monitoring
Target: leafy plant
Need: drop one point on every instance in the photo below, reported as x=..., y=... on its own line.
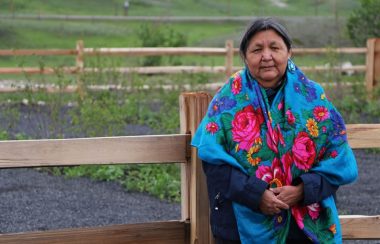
x=161, y=180
x=364, y=22
x=155, y=35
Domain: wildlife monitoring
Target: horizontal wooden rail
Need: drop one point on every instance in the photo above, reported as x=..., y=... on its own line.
x=308, y=51
x=37, y=52
x=33, y=70
x=318, y=68
x=363, y=135
x=346, y=50
x=165, y=51
x=162, y=69
x=353, y=227
x=169, y=232
x=360, y=227
x=101, y=150
x=155, y=51
x=129, y=149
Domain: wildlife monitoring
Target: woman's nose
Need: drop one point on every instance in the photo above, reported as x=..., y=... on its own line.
x=266, y=55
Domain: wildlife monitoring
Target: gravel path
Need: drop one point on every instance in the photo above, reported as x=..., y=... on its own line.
x=35, y=201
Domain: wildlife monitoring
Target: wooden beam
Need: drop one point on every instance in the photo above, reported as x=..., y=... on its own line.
x=370, y=65
x=37, y=52
x=155, y=51
x=100, y=150
x=229, y=57
x=163, y=69
x=347, y=50
x=170, y=232
x=363, y=135
x=360, y=227
x=34, y=70
x=193, y=107
x=308, y=51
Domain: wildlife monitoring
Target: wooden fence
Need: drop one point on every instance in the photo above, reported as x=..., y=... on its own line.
x=371, y=68
x=194, y=224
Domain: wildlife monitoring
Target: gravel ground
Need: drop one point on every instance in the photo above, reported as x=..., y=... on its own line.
x=36, y=201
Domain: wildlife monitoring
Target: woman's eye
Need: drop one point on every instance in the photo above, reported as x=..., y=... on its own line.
x=275, y=48
x=257, y=50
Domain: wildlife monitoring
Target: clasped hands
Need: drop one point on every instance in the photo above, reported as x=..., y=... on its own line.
x=274, y=200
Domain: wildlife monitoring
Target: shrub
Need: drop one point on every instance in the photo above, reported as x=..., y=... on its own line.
x=155, y=35
x=364, y=22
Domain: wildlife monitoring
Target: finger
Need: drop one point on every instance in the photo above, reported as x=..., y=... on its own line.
x=282, y=205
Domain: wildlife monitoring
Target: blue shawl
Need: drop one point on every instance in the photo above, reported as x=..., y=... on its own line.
x=300, y=132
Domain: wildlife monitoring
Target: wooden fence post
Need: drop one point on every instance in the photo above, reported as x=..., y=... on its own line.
x=80, y=68
x=195, y=204
x=372, y=63
x=229, y=57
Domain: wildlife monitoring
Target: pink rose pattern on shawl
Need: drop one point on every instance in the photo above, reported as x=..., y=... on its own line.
x=246, y=126
x=303, y=151
x=290, y=117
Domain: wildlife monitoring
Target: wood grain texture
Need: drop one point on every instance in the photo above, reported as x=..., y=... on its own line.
x=363, y=135
x=100, y=150
x=170, y=232
x=360, y=227
x=37, y=52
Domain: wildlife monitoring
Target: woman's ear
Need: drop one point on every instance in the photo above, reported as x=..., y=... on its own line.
x=290, y=53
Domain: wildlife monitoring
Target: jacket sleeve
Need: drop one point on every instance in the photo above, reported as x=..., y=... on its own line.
x=236, y=186
x=316, y=188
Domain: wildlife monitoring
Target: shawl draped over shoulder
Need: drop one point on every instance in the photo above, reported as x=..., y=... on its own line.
x=300, y=132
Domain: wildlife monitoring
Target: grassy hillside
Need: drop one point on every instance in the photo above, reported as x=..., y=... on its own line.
x=313, y=31
x=181, y=8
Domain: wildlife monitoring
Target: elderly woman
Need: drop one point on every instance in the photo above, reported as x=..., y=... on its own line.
x=274, y=149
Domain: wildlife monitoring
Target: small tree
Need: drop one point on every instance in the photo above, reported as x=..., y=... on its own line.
x=364, y=22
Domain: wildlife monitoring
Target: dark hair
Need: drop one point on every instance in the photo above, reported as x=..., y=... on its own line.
x=264, y=24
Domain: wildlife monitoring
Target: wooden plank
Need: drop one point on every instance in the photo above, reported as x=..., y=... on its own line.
x=170, y=232
x=193, y=108
x=100, y=150
x=163, y=69
x=377, y=63
x=80, y=67
x=308, y=51
x=347, y=50
x=360, y=227
x=370, y=65
x=360, y=68
x=155, y=51
x=363, y=135
x=35, y=70
x=37, y=52
x=229, y=57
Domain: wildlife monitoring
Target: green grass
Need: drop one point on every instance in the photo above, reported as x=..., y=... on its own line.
x=180, y=8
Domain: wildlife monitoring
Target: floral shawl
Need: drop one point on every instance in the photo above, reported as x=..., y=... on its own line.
x=300, y=132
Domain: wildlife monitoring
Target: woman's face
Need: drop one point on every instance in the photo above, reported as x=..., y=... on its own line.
x=267, y=57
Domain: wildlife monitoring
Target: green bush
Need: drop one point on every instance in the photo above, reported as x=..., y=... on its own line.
x=364, y=22
x=156, y=35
